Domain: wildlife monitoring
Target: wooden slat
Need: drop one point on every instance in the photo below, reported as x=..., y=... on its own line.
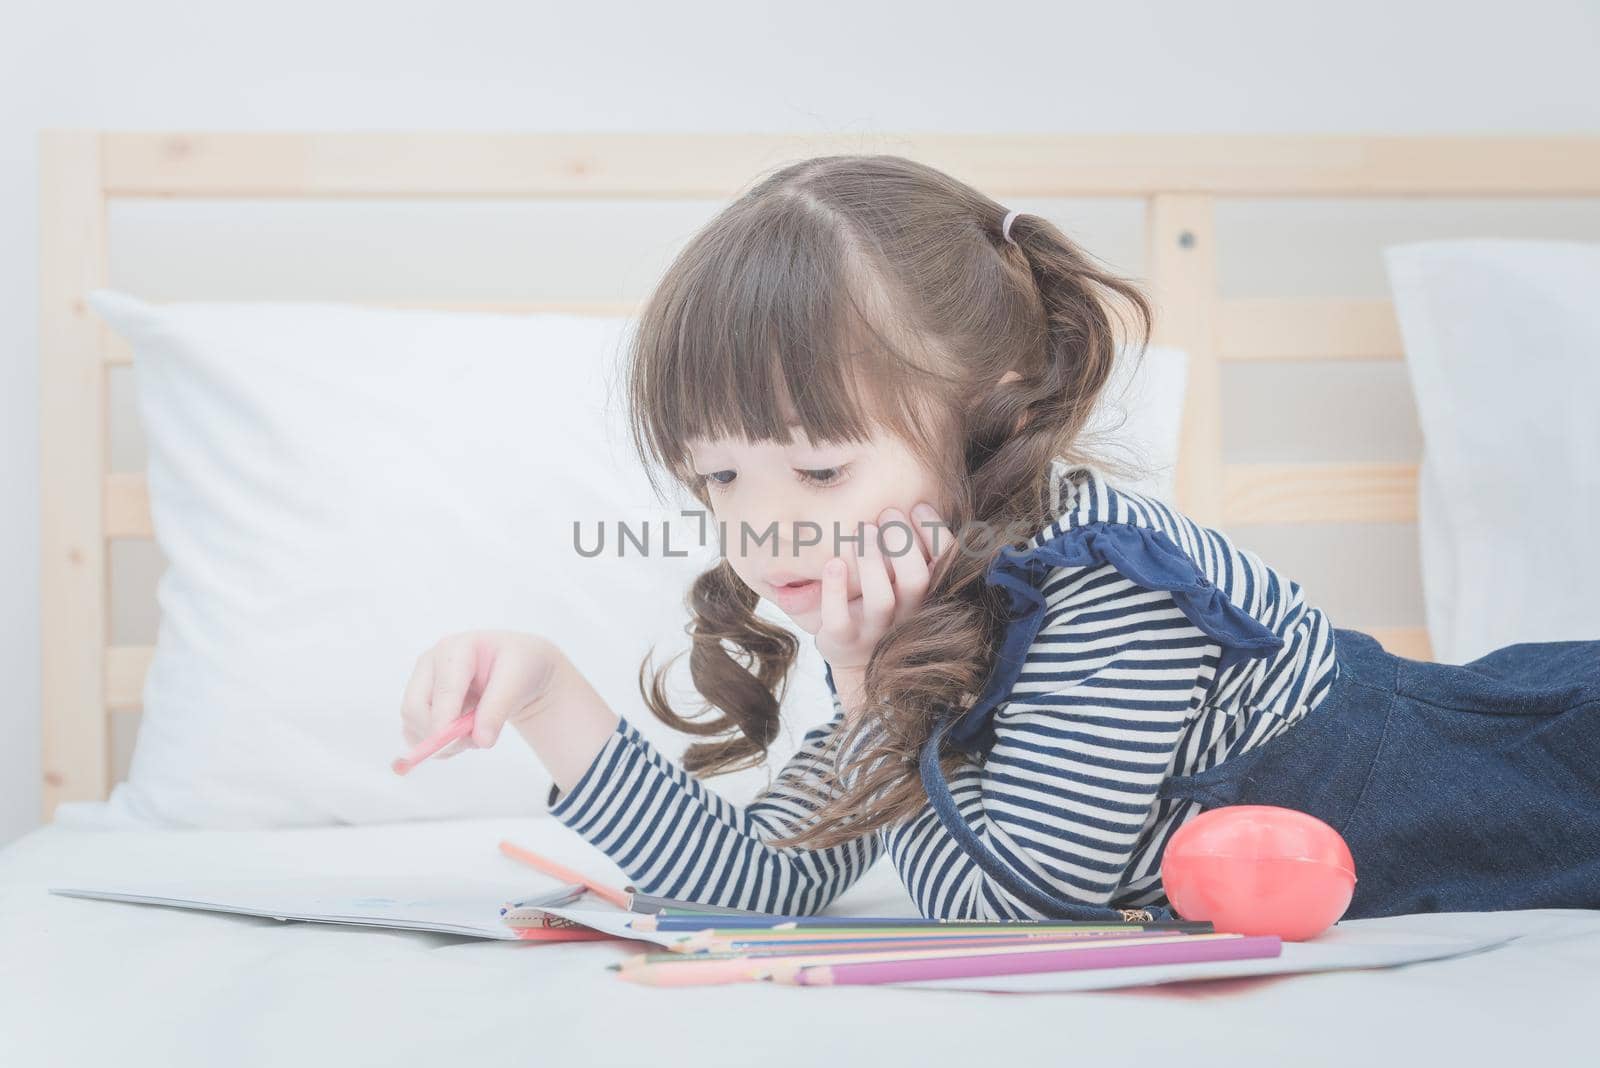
x=72, y=460
x=713, y=166
x=1410, y=642
x=1183, y=287
x=1278, y=329
x=126, y=667
x=1320, y=493
x=127, y=505
x=120, y=354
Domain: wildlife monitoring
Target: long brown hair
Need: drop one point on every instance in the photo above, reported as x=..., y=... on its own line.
x=873, y=289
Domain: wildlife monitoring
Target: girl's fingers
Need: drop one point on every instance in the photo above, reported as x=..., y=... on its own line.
x=933, y=531
x=908, y=567
x=414, y=705
x=500, y=694
x=835, y=598
x=453, y=671
x=877, y=595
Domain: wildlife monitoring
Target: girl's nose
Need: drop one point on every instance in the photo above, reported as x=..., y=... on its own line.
x=762, y=532
x=790, y=530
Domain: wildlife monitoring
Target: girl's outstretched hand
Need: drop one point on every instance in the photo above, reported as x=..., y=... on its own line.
x=893, y=577
x=499, y=674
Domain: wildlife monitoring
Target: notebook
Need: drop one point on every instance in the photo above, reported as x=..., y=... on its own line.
x=442, y=905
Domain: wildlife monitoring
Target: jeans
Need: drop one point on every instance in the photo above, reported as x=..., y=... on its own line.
x=1459, y=788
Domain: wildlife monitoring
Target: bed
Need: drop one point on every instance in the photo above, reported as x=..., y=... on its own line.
x=90, y=981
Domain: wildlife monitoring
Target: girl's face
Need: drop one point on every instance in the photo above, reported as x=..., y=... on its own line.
x=784, y=510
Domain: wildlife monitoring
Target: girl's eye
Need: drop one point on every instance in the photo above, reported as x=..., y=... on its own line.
x=712, y=480
x=816, y=476
x=822, y=476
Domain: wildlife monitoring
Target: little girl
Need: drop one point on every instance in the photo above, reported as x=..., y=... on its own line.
x=878, y=381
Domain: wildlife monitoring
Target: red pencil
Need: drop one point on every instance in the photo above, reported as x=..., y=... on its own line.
x=459, y=727
x=562, y=934
x=551, y=868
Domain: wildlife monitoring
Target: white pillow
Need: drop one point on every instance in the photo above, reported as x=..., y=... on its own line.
x=334, y=488
x=1141, y=412
x=1502, y=342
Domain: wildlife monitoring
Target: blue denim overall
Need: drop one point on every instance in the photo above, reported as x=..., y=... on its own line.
x=1459, y=788
x=1471, y=787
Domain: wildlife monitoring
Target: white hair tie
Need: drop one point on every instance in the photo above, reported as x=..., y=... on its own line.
x=1005, y=227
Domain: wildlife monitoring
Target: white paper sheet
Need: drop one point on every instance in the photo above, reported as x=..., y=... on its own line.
x=446, y=906
x=450, y=906
x=1352, y=944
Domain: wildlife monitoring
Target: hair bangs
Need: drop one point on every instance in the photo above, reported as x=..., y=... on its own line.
x=766, y=322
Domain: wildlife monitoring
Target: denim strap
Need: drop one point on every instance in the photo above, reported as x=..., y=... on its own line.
x=944, y=805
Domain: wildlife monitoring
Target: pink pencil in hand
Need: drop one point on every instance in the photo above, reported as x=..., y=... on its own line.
x=459, y=727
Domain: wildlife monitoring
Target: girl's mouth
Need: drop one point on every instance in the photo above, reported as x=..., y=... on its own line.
x=797, y=596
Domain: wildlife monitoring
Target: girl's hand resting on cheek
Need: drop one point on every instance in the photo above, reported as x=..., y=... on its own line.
x=499, y=674
x=893, y=583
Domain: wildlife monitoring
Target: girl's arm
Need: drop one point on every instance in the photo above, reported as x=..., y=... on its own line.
x=1083, y=743
x=672, y=835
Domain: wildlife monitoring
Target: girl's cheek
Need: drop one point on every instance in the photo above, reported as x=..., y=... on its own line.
x=751, y=576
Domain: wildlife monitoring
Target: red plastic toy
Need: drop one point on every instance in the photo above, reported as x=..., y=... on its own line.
x=1259, y=870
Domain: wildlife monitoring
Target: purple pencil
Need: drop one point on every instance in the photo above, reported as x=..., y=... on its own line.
x=1184, y=951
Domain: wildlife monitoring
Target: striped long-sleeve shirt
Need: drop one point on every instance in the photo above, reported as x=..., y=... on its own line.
x=1122, y=684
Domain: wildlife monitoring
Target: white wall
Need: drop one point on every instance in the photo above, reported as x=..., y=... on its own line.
x=1356, y=66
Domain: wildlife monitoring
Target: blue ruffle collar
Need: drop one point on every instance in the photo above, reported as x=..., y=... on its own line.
x=1145, y=556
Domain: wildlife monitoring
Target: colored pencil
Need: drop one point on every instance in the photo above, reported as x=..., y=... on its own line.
x=941, y=949
x=459, y=727
x=561, y=934
x=655, y=904
x=874, y=945
x=708, y=941
x=669, y=922
x=1190, y=950
x=629, y=898
x=564, y=873
x=692, y=971
x=564, y=895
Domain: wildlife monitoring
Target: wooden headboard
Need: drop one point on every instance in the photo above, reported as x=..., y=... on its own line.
x=1180, y=179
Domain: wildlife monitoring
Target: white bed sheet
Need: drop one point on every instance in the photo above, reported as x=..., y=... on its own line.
x=96, y=982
